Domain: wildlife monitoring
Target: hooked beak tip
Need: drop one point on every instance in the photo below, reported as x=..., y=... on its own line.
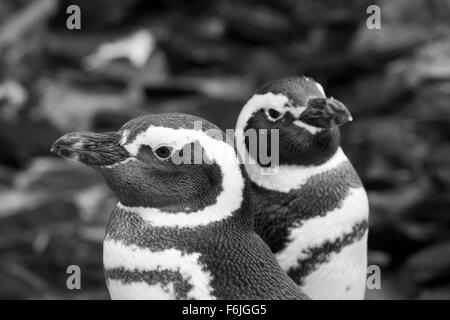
x=94, y=149
x=66, y=148
x=326, y=113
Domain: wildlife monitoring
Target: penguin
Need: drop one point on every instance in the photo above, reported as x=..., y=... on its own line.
x=310, y=205
x=183, y=226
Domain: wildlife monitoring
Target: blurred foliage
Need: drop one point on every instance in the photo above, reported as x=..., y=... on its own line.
x=206, y=58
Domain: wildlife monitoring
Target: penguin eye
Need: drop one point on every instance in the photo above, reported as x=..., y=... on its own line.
x=163, y=152
x=274, y=114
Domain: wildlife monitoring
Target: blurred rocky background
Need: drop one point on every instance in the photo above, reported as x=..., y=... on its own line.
x=206, y=58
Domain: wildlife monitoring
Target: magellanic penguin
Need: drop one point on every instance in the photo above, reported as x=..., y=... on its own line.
x=311, y=207
x=183, y=228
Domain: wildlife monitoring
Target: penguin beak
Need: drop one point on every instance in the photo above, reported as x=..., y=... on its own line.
x=94, y=149
x=325, y=113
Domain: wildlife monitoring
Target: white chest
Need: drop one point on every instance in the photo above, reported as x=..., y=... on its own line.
x=343, y=274
x=133, y=259
x=343, y=277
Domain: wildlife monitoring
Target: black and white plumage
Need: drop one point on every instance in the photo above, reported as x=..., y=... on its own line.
x=181, y=230
x=311, y=208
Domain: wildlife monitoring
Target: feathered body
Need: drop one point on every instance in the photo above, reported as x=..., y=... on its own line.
x=182, y=229
x=311, y=208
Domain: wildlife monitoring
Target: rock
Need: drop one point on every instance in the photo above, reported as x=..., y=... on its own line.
x=440, y=204
x=399, y=161
x=185, y=51
x=255, y=22
x=430, y=108
x=429, y=265
x=397, y=238
x=68, y=249
x=106, y=121
x=398, y=202
x=136, y=47
x=400, y=32
x=7, y=176
x=57, y=176
x=264, y=65
x=95, y=204
x=221, y=112
x=14, y=201
x=72, y=109
x=50, y=189
x=313, y=12
x=112, y=13
x=68, y=48
x=21, y=141
x=227, y=88
x=438, y=164
x=40, y=215
x=58, y=179
x=429, y=63
x=15, y=286
x=378, y=258
x=13, y=97
x=380, y=93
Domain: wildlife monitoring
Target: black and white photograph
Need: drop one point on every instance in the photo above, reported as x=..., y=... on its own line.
x=225, y=150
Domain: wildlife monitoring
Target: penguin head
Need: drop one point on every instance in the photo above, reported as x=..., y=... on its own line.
x=169, y=162
x=307, y=121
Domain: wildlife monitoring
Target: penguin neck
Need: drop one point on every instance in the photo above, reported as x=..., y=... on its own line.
x=285, y=178
x=134, y=228
x=310, y=148
x=173, y=202
x=185, y=189
x=312, y=154
x=232, y=203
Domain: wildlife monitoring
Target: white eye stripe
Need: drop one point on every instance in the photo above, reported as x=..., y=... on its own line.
x=173, y=149
x=311, y=129
x=320, y=88
x=125, y=135
x=295, y=110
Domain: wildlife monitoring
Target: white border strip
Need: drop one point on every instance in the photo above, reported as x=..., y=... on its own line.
x=118, y=255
